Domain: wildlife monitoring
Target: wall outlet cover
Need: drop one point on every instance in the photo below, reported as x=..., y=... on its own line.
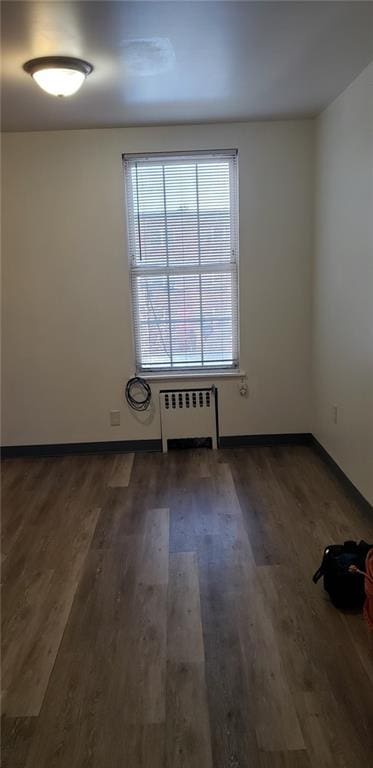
x=115, y=418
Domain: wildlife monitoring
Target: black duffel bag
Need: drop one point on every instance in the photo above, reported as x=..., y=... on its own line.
x=345, y=587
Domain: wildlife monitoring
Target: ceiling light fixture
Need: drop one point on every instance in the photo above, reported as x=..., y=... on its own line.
x=58, y=75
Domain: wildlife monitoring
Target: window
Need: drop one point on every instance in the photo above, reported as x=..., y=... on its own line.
x=182, y=228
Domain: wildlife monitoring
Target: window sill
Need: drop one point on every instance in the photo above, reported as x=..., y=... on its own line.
x=193, y=375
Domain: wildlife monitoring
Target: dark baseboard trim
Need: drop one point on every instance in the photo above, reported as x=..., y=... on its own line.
x=293, y=438
x=136, y=446
x=348, y=485
x=66, y=449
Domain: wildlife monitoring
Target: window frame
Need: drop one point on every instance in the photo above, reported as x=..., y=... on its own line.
x=224, y=268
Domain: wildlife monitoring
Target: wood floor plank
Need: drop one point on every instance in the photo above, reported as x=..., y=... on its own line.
x=188, y=743
x=184, y=628
x=143, y=686
x=230, y=701
x=123, y=514
x=362, y=640
x=277, y=724
x=16, y=736
x=202, y=463
x=327, y=743
x=121, y=472
x=297, y=759
x=154, y=566
x=233, y=738
x=182, y=522
x=134, y=745
x=253, y=495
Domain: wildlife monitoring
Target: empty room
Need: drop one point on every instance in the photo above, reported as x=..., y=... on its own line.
x=187, y=384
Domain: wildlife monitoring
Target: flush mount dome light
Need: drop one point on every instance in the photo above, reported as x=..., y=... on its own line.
x=58, y=75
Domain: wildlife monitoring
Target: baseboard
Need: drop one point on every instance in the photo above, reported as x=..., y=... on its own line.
x=292, y=438
x=136, y=446
x=348, y=485
x=65, y=449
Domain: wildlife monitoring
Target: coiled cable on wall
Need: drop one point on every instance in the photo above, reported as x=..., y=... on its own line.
x=138, y=394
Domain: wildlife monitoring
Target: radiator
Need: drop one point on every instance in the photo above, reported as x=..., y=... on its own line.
x=188, y=413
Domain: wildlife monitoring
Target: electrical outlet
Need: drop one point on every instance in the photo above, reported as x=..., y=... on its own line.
x=114, y=418
x=335, y=414
x=244, y=389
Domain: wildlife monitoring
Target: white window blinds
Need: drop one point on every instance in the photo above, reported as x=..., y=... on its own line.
x=183, y=247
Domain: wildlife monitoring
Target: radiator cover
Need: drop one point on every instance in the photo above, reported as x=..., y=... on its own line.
x=187, y=413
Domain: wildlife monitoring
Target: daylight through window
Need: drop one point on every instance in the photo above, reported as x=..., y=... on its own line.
x=183, y=248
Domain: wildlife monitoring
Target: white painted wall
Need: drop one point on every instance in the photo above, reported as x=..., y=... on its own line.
x=343, y=282
x=67, y=348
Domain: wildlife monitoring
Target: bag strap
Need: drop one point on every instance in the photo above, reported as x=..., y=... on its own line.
x=316, y=576
x=320, y=571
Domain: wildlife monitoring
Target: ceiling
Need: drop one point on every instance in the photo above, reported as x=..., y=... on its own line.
x=178, y=62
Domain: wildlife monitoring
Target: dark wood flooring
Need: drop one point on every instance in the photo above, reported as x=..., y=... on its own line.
x=158, y=612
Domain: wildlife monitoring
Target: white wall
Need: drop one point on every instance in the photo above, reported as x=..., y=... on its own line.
x=343, y=282
x=67, y=326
